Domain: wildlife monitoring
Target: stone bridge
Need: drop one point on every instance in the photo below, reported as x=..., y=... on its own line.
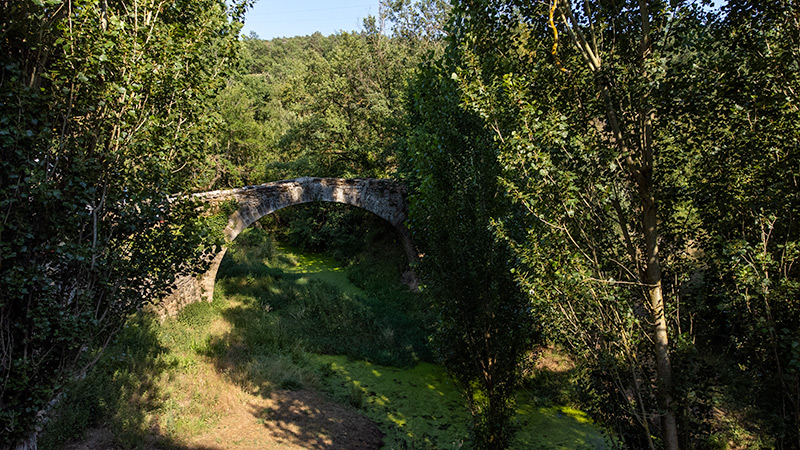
x=384, y=198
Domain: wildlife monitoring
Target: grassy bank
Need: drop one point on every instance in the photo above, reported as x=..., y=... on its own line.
x=284, y=323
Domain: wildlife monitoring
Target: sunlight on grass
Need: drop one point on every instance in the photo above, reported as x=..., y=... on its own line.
x=421, y=405
x=580, y=416
x=319, y=267
x=399, y=421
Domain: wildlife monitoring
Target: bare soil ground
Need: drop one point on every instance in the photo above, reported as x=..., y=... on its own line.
x=285, y=420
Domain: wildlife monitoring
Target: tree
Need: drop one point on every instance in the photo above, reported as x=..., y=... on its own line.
x=314, y=105
x=573, y=92
x=239, y=150
x=324, y=105
x=484, y=323
x=649, y=149
x=346, y=121
x=743, y=85
x=422, y=23
x=104, y=117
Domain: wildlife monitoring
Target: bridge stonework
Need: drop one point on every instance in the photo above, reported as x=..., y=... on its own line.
x=384, y=198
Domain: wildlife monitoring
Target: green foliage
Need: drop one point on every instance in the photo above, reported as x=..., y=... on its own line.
x=576, y=129
x=320, y=106
x=104, y=116
x=483, y=319
x=341, y=231
x=744, y=186
x=349, y=114
x=643, y=158
x=130, y=366
x=421, y=22
x=237, y=154
x=198, y=314
x=253, y=248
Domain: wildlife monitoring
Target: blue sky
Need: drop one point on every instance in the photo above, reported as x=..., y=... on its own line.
x=272, y=18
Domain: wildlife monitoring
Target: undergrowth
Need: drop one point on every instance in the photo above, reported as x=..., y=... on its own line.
x=258, y=333
x=277, y=321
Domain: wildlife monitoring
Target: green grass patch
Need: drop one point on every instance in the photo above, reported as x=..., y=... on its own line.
x=119, y=392
x=314, y=301
x=315, y=266
x=420, y=407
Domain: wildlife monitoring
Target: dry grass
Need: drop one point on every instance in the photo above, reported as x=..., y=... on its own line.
x=212, y=390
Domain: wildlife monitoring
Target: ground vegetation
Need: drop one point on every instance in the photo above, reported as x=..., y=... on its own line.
x=244, y=370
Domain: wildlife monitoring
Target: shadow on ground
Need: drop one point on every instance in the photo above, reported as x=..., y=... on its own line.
x=308, y=420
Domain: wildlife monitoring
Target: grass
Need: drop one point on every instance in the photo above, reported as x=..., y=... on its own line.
x=283, y=319
x=421, y=408
x=319, y=267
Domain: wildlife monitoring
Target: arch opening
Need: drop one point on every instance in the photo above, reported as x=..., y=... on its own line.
x=338, y=230
x=383, y=198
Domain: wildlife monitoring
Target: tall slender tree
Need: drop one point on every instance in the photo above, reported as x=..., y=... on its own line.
x=484, y=322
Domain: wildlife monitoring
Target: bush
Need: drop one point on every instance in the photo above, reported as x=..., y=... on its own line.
x=128, y=369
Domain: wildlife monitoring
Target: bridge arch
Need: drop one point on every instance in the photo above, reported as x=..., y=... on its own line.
x=384, y=198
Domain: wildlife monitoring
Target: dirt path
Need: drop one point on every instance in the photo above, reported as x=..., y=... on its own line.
x=291, y=420
x=234, y=416
x=285, y=420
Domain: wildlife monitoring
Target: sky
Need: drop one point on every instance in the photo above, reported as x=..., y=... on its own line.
x=279, y=18
x=273, y=18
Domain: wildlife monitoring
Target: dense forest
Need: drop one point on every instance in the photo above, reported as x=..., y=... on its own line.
x=616, y=180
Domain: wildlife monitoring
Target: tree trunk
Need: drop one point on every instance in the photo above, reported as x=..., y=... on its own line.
x=29, y=443
x=641, y=172
x=660, y=335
